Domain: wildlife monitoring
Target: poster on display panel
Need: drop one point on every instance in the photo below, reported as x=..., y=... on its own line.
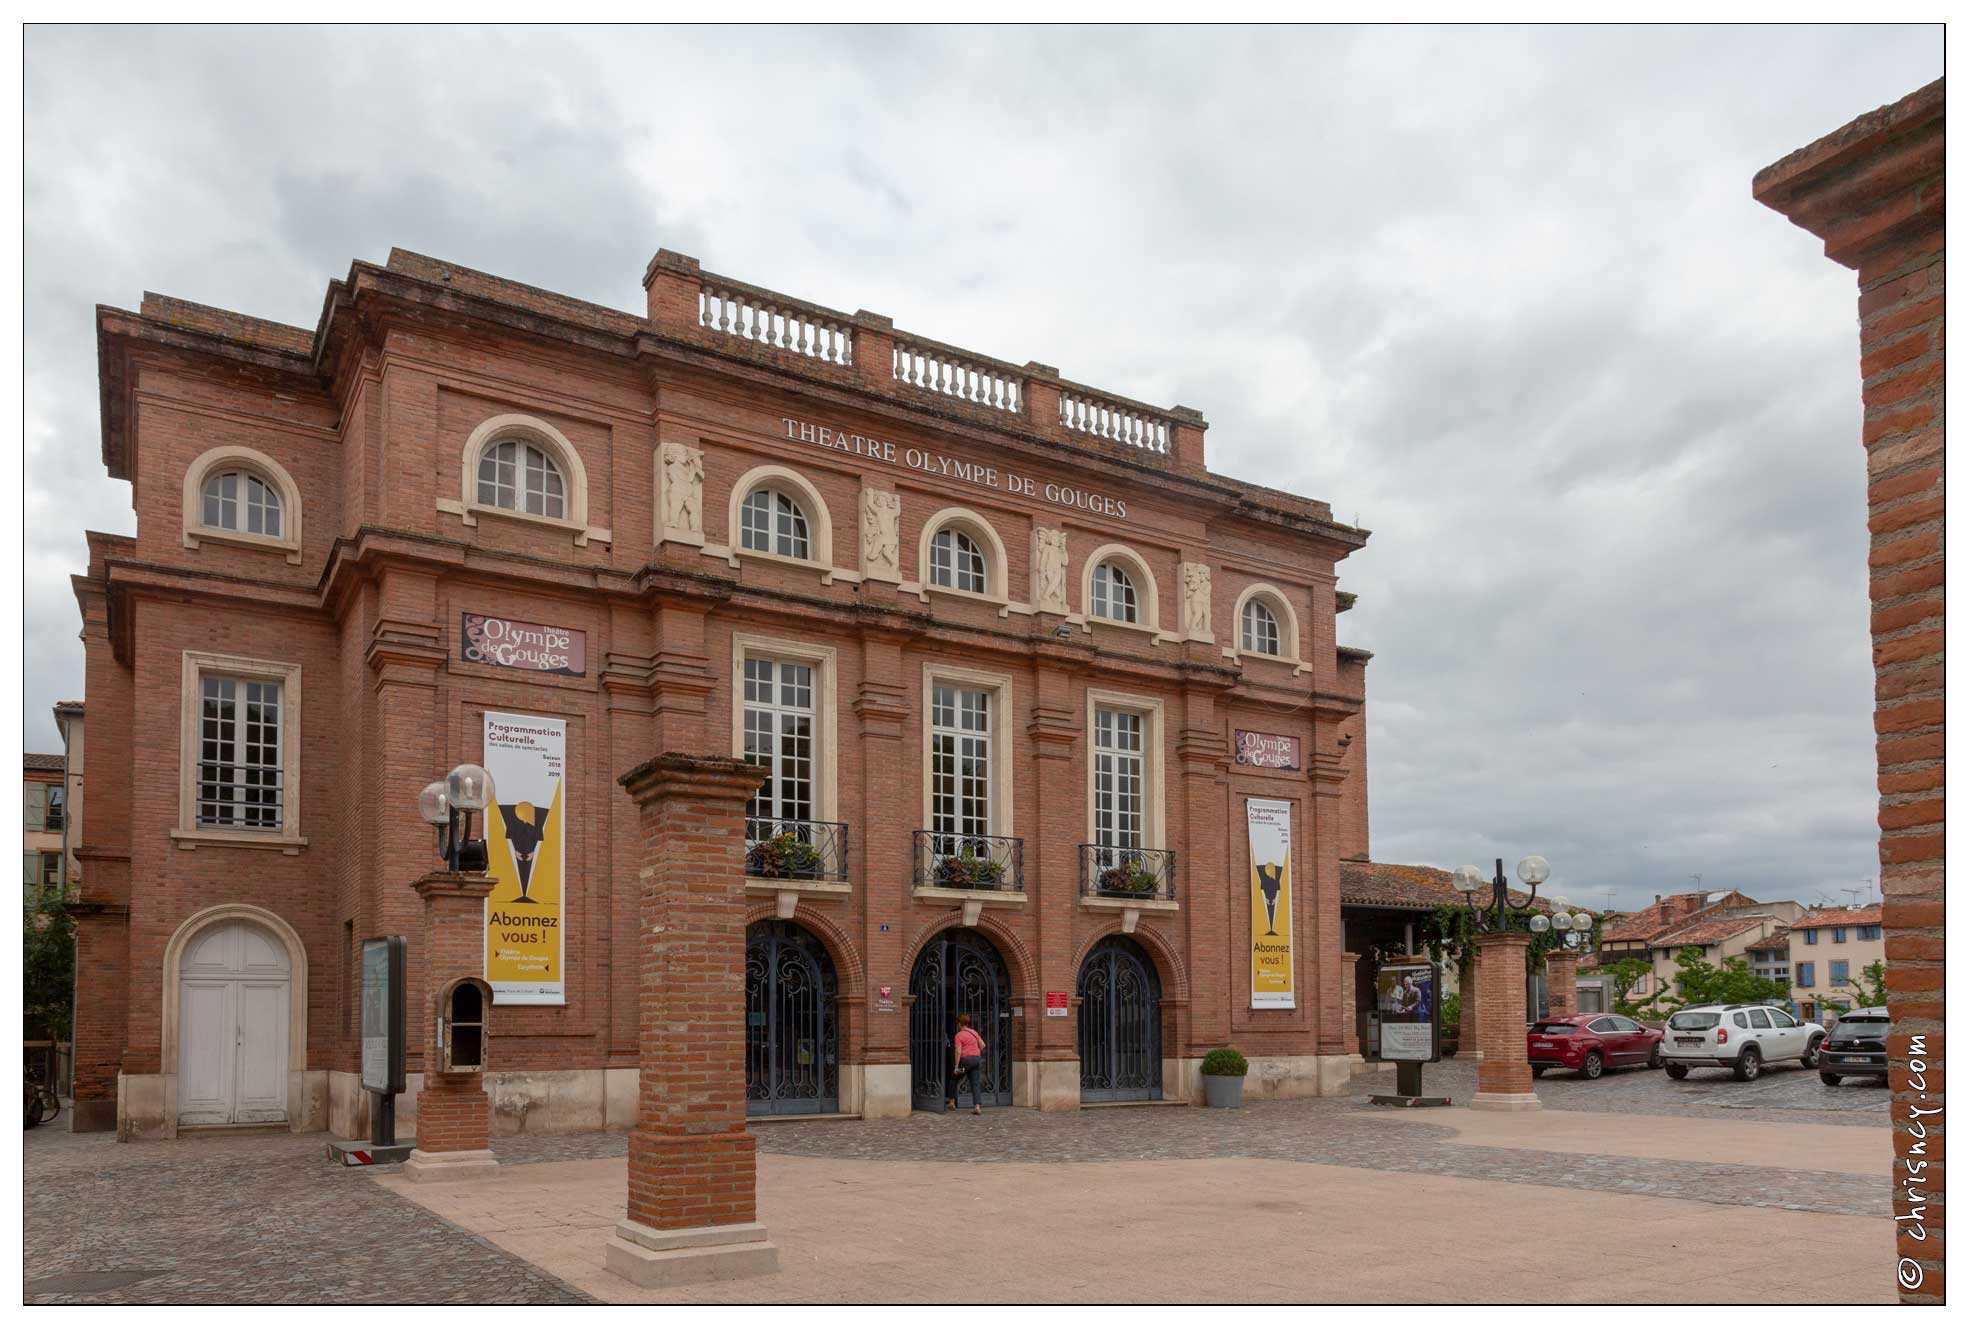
x=526, y=844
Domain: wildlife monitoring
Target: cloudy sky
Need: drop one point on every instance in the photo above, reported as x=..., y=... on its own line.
x=1500, y=295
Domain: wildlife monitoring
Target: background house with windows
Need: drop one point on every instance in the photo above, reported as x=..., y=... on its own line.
x=1830, y=952
x=1721, y=924
x=45, y=806
x=1010, y=659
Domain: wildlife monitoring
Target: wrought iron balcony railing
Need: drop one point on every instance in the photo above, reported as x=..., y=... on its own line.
x=1114, y=873
x=970, y=862
x=781, y=848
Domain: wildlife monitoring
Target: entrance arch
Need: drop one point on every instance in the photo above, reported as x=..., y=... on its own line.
x=792, y=1031
x=1120, y=1024
x=959, y=972
x=234, y=994
x=176, y=954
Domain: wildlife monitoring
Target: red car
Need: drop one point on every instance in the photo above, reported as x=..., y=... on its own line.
x=1590, y=1044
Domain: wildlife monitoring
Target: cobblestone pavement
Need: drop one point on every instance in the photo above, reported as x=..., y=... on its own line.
x=261, y=1218
x=1784, y=1092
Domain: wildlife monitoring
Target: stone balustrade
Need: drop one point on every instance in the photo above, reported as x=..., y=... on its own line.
x=1085, y=412
x=936, y=369
x=774, y=321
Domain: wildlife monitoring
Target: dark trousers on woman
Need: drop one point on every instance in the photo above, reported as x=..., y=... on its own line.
x=974, y=1068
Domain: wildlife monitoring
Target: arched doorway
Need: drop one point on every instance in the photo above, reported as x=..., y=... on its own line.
x=959, y=973
x=792, y=1047
x=1120, y=1024
x=233, y=995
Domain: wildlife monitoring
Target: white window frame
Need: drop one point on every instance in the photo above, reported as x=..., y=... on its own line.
x=820, y=522
x=1148, y=593
x=981, y=533
x=194, y=668
x=782, y=511
x=1291, y=648
x=215, y=461
x=525, y=450
x=1002, y=817
x=1155, y=788
x=746, y=645
x=574, y=478
x=1255, y=619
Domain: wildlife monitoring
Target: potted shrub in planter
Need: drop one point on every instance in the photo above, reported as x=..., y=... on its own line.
x=785, y=855
x=965, y=870
x=1129, y=878
x=1223, y=1078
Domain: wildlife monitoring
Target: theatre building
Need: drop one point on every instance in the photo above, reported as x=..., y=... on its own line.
x=1051, y=722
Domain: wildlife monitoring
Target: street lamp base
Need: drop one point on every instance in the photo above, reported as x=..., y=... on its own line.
x=1493, y=1102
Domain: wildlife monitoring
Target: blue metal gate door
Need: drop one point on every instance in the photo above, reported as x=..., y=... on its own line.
x=959, y=973
x=791, y=1052
x=1120, y=1024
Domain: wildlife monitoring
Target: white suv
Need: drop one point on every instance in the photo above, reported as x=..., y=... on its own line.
x=1742, y=1038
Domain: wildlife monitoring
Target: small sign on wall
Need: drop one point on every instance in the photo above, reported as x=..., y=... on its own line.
x=484, y=639
x=1276, y=752
x=1059, y=1004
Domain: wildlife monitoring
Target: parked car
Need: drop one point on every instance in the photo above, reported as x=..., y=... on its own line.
x=1857, y=1045
x=1743, y=1038
x=1590, y=1044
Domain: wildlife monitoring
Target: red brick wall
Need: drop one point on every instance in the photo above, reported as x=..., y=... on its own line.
x=1873, y=191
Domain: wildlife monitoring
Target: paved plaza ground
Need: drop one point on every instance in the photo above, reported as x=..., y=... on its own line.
x=1312, y=1199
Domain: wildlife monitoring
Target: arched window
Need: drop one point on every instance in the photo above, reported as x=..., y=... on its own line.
x=1114, y=594
x=957, y=562
x=1260, y=628
x=520, y=477
x=242, y=501
x=771, y=523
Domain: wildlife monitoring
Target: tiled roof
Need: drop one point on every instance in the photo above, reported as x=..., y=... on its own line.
x=1838, y=918
x=1778, y=940
x=1709, y=931
x=1670, y=912
x=1403, y=886
x=41, y=761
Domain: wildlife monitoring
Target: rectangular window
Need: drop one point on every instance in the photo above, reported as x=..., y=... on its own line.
x=1641, y=985
x=51, y=869
x=1811, y=936
x=960, y=760
x=1119, y=800
x=57, y=814
x=1839, y=934
x=1870, y=933
x=1805, y=974
x=779, y=735
x=35, y=801
x=240, y=775
x=1839, y=971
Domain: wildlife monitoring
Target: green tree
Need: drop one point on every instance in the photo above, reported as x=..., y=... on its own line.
x=1870, y=989
x=1700, y=983
x=1625, y=973
x=48, y=971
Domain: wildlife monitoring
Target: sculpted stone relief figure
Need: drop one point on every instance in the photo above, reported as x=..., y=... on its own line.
x=1196, y=601
x=683, y=493
x=881, y=512
x=1049, y=570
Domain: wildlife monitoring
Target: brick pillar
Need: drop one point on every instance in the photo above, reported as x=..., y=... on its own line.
x=1349, y=983
x=692, y=1174
x=1504, y=1078
x=454, y=1113
x=1562, y=981
x=1873, y=191
x=1469, y=1031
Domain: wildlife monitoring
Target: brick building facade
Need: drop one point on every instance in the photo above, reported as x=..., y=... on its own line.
x=961, y=609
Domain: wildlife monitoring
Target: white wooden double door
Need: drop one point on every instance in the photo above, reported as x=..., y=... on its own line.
x=232, y=1027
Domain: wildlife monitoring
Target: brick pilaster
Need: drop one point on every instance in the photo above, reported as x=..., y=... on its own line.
x=1504, y=1078
x=1349, y=984
x=1562, y=981
x=454, y=1113
x=1468, y=1028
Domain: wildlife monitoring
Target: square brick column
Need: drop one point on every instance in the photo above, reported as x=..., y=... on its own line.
x=454, y=1113
x=692, y=1174
x=1562, y=981
x=1349, y=981
x=1504, y=1078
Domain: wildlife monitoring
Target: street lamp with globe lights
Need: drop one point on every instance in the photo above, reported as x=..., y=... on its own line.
x=1496, y=915
x=448, y=804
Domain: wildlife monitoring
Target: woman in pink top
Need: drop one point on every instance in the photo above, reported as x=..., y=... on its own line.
x=967, y=1050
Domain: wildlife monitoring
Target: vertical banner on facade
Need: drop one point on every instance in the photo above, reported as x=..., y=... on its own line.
x=1268, y=830
x=526, y=842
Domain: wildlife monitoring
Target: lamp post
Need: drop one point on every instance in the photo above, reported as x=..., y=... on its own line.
x=448, y=804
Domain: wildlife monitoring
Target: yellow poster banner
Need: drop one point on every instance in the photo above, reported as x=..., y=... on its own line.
x=526, y=843
x=1268, y=832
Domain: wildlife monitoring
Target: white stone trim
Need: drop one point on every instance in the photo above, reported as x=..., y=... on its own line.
x=196, y=532
x=820, y=522
x=1288, y=617
x=826, y=706
x=1002, y=785
x=1148, y=595
x=467, y=508
x=188, y=833
x=998, y=568
x=1155, y=821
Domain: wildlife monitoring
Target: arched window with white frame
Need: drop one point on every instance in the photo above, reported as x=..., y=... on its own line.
x=520, y=476
x=1259, y=632
x=1114, y=595
x=236, y=495
x=957, y=563
x=771, y=522
x=238, y=500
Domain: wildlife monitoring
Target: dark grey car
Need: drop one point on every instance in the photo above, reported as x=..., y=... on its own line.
x=1857, y=1045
